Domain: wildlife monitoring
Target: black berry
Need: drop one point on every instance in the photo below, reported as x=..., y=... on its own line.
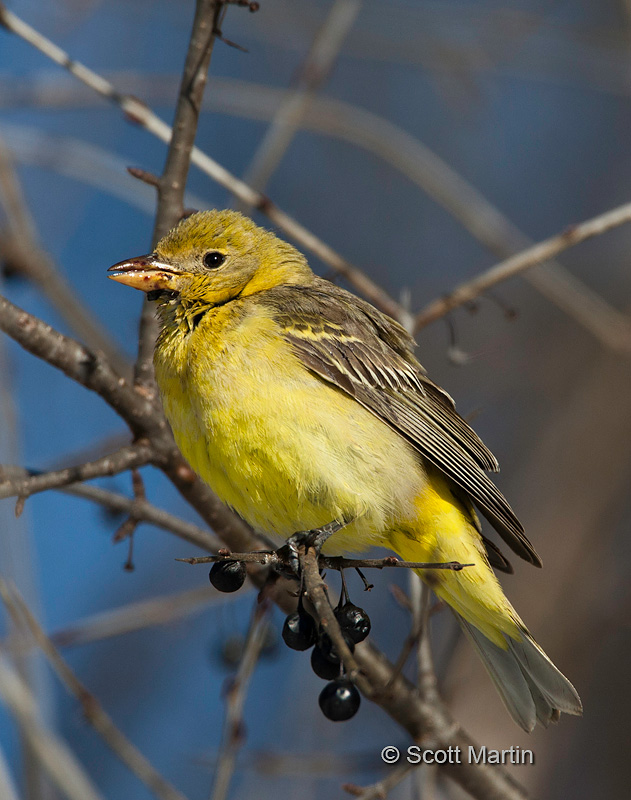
x=227, y=576
x=299, y=631
x=324, y=667
x=339, y=700
x=325, y=643
x=353, y=621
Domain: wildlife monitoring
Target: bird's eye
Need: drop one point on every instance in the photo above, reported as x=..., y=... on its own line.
x=214, y=259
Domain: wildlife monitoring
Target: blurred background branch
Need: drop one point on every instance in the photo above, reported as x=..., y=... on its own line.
x=528, y=108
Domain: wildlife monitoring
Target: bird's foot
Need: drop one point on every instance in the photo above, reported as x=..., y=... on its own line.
x=314, y=538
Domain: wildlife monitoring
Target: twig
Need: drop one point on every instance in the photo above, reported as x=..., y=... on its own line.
x=134, y=455
x=94, y=712
x=146, y=512
x=54, y=754
x=143, y=510
x=380, y=789
x=528, y=258
x=83, y=162
x=145, y=176
x=313, y=73
x=139, y=112
x=277, y=558
x=415, y=631
x=233, y=732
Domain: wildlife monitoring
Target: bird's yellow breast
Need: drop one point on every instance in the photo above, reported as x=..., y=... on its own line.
x=286, y=450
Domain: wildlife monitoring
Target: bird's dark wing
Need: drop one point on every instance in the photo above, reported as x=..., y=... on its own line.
x=350, y=344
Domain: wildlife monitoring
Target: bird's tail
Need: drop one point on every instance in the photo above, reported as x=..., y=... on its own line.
x=531, y=687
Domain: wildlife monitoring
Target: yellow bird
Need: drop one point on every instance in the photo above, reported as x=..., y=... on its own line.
x=300, y=404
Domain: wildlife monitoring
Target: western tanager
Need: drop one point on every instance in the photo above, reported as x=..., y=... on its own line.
x=300, y=404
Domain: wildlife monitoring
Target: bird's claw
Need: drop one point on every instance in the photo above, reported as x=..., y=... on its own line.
x=314, y=538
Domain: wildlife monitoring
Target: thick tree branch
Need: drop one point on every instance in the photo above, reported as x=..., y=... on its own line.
x=144, y=416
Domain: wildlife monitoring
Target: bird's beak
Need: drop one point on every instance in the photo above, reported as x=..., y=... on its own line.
x=147, y=273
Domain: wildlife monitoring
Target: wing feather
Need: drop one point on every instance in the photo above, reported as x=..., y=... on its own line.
x=348, y=343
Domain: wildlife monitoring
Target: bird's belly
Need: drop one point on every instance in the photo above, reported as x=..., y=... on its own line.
x=289, y=452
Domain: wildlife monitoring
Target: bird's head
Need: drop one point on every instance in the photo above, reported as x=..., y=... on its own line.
x=213, y=257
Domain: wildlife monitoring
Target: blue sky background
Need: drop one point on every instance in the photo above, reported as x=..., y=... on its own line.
x=543, y=131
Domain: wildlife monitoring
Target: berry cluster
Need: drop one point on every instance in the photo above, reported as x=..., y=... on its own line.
x=339, y=700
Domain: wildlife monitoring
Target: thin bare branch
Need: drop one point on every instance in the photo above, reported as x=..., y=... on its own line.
x=280, y=559
x=172, y=183
x=380, y=789
x=142, y=510
x=92, y=709
x=134, y=455
x=54, y=755
x=232, y=736
x=140, y=113
x=427, y=683
x=83, y=162
x=138, y=616
x=316, y=591
x=145, y=511
x=313, y=73
x=522, y=261
x=182, y=139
